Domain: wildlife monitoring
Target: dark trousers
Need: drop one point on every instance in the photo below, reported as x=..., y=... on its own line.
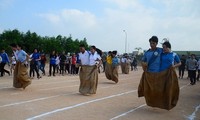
x=67, y=66
x=31, y=71
x=73, y=69
x=181, y=72
x=62, y=66
x=2, y=70
x=192, y=76
x=42, y=68
x=198, y=75
x=50, y=69
x=35, y=68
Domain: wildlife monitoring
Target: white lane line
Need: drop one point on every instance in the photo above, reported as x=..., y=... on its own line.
x=184, y=86
x=78, y=105
x=43, y=98
x=58, y=87
x=193, y=115
x=123, y=114
x=43, y=84
x=5, y=87
x=128, y=112
x=34, y=100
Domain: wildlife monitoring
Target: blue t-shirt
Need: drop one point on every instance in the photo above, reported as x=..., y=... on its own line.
x=21, y=55
x=152, y=58
x=35, y=56
x=168, y=59
x=53, y=59
x=115, y=61
x=4, y=57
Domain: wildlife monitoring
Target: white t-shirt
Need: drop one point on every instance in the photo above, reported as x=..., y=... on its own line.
x=84, y=58
x=94, y=58
x=13, y=59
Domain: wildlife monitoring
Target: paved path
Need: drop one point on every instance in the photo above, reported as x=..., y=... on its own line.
x=57, y=98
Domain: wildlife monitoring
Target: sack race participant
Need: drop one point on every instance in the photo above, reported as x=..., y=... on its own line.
x=88, y=72
x=160, y=87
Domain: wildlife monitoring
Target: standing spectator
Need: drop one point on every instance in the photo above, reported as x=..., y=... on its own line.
x=135, y=64
x=73, y=64
x=52, y=63
x=68, y=62
x=32, y=69
x=57, y=62
x=62, y=62
x=77, y=63
x=192, y=64
x=5, y=59
x=43, y=62
x=36, y=58
x=13, y=63
x=182, y=67
x=198, y=63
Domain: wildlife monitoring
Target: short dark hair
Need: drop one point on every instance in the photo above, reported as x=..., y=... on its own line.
x=167, y=44
x=93, y=47
x=20, y=45
x=81, y=45
x=114, y=52
x=153, y=39
x=13, y=45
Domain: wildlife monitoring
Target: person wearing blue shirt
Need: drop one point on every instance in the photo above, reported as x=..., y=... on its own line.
x=36, y=57
x=115, y=64
x=20, y=77
x=52, y=63
x=168, y=58
x=5, y=59
x=151, y=58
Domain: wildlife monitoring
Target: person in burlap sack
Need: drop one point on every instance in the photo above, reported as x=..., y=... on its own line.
x=20, y=77
x=108, y=66
x=161, y=88
x=89, y=61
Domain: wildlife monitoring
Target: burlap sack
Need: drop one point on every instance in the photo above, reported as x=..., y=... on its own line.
x=88, y=79
x=108, y=71
x=160, y=89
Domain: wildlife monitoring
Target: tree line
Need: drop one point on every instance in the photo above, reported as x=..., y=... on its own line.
x=31, y=40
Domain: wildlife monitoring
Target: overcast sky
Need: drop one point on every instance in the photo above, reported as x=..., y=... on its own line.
x=103, y=22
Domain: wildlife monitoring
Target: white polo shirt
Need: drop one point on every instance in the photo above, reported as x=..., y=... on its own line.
x=84, y=57
x=94, y=58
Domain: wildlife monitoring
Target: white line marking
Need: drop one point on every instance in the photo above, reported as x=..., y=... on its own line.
x=78, y=105
x=34, y=100
x=123, y=114
x=193, y=115
x=184, y=86
x=58, y=87
x=44, y=83
x=128, y=112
